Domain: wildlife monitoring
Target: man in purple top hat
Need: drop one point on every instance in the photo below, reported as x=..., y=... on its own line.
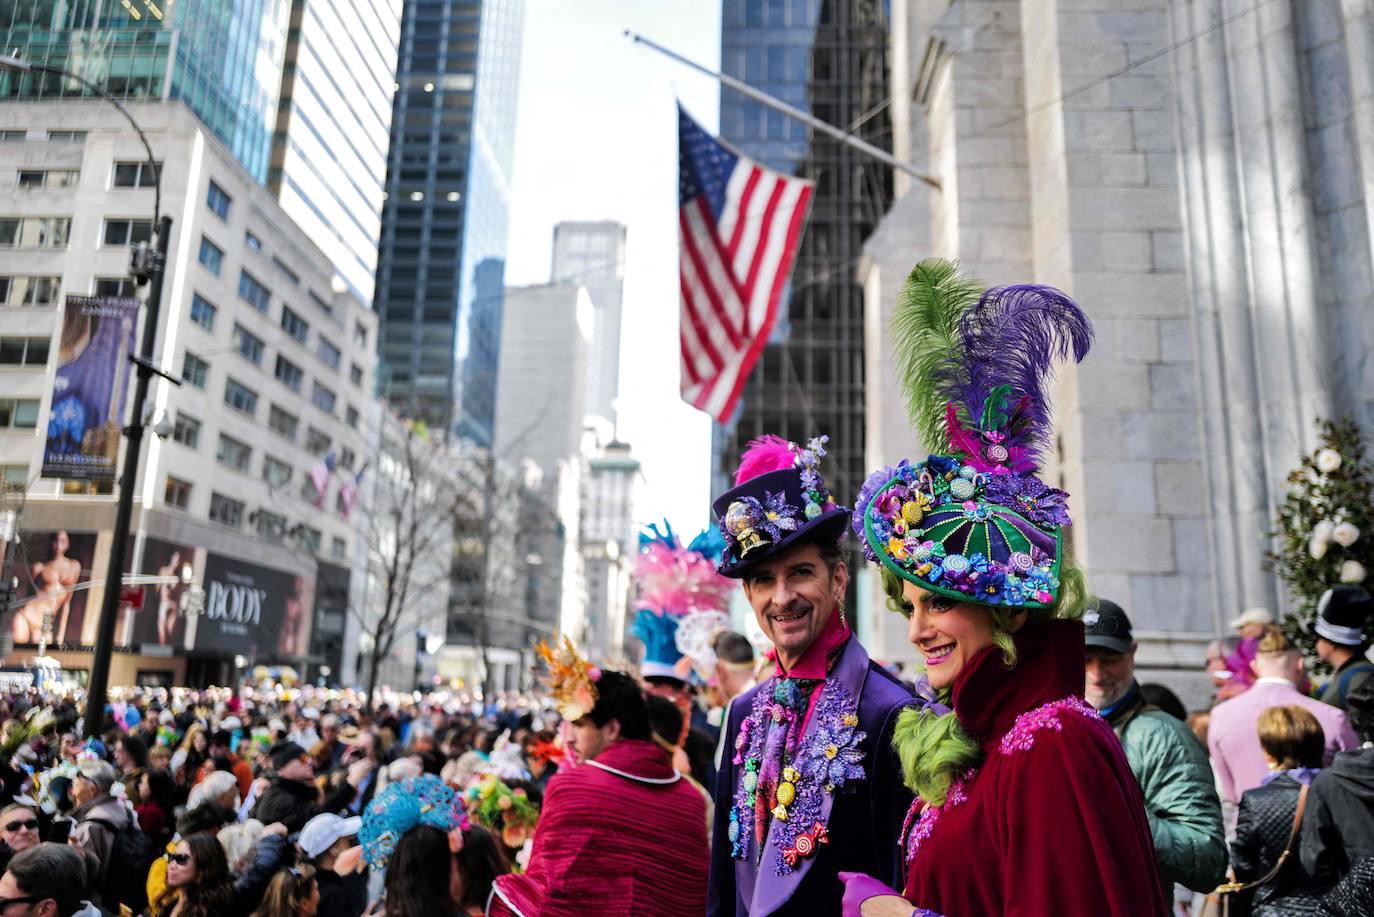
x=809, y=785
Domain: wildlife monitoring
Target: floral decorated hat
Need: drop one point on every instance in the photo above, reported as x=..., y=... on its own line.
x=680, y=601
x=571, y=679
x=779, y=499
x=974, y=522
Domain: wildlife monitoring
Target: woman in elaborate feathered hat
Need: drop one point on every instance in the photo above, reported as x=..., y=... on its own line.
x=1024, y=800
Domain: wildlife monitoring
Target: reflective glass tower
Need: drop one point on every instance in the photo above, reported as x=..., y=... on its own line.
x=828, y=57
x=441, y=263
x=222, y=57
x=333, y=128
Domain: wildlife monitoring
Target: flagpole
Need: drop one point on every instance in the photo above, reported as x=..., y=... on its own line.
x=795, y=113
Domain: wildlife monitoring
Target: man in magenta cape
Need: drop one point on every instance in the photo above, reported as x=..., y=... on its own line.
x=622, y=834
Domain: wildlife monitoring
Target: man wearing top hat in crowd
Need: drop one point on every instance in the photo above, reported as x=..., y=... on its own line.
x=809, y=784
x=1343, y=612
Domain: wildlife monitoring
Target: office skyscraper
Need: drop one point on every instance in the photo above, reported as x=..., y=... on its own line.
x=593, y=254
x=441, y=265
x=829, y=58
x=333, y=124
x=223, y=58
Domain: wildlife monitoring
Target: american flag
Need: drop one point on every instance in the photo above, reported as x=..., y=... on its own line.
x=319, y=476
x=740, y=226
x=349, y=491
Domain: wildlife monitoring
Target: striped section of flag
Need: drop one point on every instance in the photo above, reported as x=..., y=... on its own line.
x=319, y=477
x=740, y=225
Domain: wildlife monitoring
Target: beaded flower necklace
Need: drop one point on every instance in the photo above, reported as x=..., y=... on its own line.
x=784, y=786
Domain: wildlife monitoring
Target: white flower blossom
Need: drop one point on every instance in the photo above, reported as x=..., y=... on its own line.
x=1345, y=534
x=1352, y=571
x=1328, y=460
x=1320, y=539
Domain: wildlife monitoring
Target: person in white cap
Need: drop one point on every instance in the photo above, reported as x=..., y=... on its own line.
x=325, y=841
x=1250, y=624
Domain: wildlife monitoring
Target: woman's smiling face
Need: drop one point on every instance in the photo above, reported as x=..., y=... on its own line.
x=947, y=632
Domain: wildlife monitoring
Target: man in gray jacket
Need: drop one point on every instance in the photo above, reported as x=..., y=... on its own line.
x=1168, y=761
x=98, y=816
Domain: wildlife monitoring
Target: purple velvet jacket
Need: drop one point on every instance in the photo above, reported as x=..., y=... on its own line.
x=863, y=821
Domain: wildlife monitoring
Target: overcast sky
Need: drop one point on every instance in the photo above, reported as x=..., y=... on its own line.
x=597, y=140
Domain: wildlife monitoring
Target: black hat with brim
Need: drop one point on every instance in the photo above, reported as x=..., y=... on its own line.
x=1342, y=614
x=782, y=488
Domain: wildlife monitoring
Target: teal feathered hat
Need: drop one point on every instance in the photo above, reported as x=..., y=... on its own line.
x=972, y=521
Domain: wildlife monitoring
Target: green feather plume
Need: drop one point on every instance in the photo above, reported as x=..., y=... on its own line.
x=925, y=340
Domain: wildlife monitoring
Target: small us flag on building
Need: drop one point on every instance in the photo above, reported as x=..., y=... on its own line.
x=740, y=227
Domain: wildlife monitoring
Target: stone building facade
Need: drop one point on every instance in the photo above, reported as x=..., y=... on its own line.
x=1197, y=175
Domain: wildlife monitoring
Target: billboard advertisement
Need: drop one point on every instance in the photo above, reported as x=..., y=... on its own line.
x=161, y=620
x=90, y=387
x=254, y=610
x=54, y=570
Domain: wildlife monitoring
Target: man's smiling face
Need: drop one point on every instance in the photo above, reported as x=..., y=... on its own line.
x=793, y=596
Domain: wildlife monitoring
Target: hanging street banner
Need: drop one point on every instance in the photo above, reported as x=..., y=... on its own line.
x=90, y=388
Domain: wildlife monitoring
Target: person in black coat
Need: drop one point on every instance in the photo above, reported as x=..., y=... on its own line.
x=1292, y=740
x=292, y=798
x=1339, y=826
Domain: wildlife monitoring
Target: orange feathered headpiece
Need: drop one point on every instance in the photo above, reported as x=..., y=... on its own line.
x=572, y=679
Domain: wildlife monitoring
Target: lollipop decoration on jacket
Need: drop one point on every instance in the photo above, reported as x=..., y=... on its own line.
x=973, y=521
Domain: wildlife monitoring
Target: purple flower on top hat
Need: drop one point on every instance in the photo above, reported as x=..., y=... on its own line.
x=778, y=515
x=1028, y=496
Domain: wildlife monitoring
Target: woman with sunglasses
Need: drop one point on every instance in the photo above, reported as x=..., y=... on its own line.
x=1024, y=799
x=198, y=883
x=292, y=893
x=18, y=831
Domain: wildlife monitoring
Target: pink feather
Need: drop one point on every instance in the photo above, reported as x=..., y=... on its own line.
x=674, y=580
x=765, y=454
x=969, y=443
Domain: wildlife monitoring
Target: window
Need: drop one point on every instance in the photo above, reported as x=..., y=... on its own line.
x=129, y=232
x=37, y=232
x=24, y=351
x=176, y=493
x=294, y=325
x=19, y=413
x=33, y=179
x=240, y=397
x=248, y=344
x=289, y=374
x=66, y=136
x=115, y=286
x=29, y=291
x=217, y=199
x=327, y=352
x=187, y=430
x=14, y=477
x=211, y=256
x=276, y=472
x=194, y=370
x=226, y=511
x=310, y=538
x=14, y=136
x=283, y=422
x=269, y=525
x=316, y=442
x=338, y=548
x=323, y=398
x=355, y=374
x=252, y=241
x=203, y=312
x=233, y=453
x=359, y=336
x=348, y=458
x=253, y=292
x=351, y=416
x=133, y=174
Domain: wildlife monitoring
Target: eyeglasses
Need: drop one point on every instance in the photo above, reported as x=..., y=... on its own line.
x=23, y=899
x=31, y=825
x=181, y=859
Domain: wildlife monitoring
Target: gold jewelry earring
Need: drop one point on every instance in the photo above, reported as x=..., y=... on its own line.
x=840, y=607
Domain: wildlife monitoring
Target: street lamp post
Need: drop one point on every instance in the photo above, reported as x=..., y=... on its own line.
x=147, y=266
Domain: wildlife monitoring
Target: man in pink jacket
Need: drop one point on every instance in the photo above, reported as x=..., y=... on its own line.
x=1233, y=737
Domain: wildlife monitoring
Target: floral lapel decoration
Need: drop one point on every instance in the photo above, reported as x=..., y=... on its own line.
x=973, y=521
x=786, y=773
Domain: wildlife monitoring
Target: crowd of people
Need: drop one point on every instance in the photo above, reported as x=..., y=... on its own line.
x=1026, y=770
